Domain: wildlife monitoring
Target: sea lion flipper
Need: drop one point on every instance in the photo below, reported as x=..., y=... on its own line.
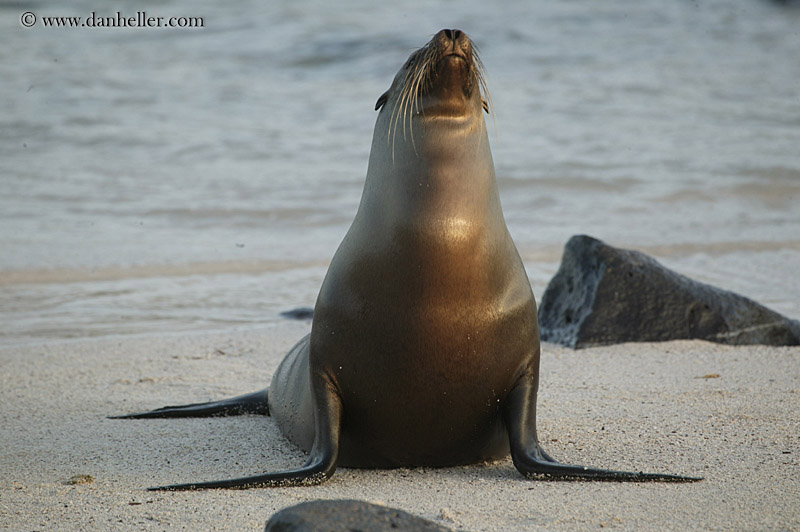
x=519, y=413
x=251, y=403
x=316, y=471
x=319, y=466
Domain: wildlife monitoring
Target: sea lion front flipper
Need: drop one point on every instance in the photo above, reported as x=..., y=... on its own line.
x=318, y=468
x=251, y=403
x=519, y=414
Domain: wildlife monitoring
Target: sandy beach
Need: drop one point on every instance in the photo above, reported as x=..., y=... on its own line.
x=729, y=414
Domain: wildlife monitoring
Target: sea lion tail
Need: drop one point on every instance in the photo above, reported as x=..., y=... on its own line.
x=251, y=403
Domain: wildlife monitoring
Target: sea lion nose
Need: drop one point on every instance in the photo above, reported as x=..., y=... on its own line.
x=454, y=40
x=453, y=35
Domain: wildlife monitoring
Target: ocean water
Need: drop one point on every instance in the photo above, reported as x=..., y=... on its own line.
x=175, y=179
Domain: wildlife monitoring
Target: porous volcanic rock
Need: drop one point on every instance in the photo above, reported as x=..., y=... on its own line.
x=603, y=295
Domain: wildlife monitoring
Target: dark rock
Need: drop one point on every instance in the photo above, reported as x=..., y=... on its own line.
x=300, y=313
x=603, y=295
x=347, y=516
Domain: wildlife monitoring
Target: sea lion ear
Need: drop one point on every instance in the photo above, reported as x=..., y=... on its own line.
x=382, y=99
x=485, y=105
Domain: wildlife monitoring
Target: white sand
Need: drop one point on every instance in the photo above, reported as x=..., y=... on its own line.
x=637, y=406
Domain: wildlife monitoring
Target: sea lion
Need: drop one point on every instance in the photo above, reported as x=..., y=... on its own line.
x=424, y=346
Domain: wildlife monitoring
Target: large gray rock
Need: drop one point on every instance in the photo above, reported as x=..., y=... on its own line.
x=347, y=516
x=603, y=295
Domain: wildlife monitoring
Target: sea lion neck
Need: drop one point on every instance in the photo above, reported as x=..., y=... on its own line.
x=442, y=169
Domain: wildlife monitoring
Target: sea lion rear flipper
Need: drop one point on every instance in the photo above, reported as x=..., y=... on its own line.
x=519, y=414
x=319, y=466
x=251, y=403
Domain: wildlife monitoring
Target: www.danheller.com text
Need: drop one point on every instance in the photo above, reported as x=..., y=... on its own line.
x=141, y=19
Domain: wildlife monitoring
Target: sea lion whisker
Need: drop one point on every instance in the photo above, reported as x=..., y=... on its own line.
x=392, y=118
x=418, y=75
x=407, y=94
x=401, y=106
x=484, y=88
x=396, y=114
x=391, y=130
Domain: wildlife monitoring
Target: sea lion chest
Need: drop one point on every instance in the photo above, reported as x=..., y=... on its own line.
x=423, y=324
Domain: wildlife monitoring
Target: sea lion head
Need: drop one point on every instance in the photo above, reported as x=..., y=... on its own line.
x=430, y=133
x=444, y=78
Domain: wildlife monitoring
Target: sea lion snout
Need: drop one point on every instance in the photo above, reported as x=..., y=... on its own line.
x=451, y=37
x=452, y=43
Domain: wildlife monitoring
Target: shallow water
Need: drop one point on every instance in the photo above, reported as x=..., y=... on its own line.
x=176, y=179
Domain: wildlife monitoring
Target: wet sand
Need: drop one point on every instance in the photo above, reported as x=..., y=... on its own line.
x=729, y=414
